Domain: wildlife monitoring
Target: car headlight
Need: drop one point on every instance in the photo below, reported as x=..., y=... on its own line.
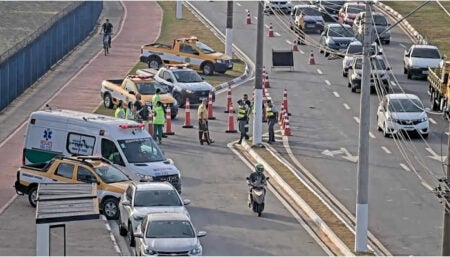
x=423, y=119
x=330, y=41
x=175, y=102
x=196, y=251
x=356, y=75
x=138, y=217
x=144, y=177
x=149, y=252
x=189, y=91
x=220, y=61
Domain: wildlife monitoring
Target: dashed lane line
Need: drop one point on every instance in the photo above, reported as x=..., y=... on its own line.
x=432, y=120
x=238, y=4
x=372, y=135
x=356, y=119
x=393, y=83
x=386, y=150
x=319, y=71
x=327, y=82
x=402, y=45
x=276, y=34
x=346, y=106
x=404, y=166
x=336, y=94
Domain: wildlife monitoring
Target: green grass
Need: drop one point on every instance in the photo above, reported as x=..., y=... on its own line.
x=431, y=21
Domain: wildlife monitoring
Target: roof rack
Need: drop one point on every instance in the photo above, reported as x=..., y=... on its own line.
x=178, y=66
x=141, y=76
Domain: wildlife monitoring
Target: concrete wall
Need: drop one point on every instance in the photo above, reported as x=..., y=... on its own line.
x=31, y=58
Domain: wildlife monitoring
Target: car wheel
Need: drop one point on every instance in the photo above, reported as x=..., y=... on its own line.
x=409, y=74
x=321, y=51
x=344, y=74
x=353, y=89
x=122, y=230
x=32, y=196
x=378, y=126
x=131, y=235
x=154, y=62
x=208, y=69
x=405, y=71
x=425, y=135
x=180, y=100
x=111, y=208
x=107, y=101
x=387, y=42
x=327, y=53
x=385, y=134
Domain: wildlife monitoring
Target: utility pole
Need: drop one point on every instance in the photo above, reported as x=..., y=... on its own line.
x=362, y=206
x=446, y=196
x=229, y=30
x=257, y=121
x=179, y=12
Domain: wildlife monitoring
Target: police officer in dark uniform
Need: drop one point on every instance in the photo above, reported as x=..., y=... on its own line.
x=242, y=118
x=272, y=114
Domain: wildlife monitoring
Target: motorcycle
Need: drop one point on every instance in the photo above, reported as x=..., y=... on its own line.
x=256, y=198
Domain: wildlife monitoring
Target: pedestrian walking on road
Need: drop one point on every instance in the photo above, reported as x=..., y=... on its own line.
x=120, y=111
x=203, y=130
x=159, y=119
x=129, y=114
x=242, y=118
x=272, y=114
x=249, y=107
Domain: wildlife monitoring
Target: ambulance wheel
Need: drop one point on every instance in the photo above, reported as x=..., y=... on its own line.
x=107, y=101
x=32, y=195
x=111, y=208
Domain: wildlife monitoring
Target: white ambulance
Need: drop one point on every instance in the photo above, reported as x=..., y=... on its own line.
x=126, y=143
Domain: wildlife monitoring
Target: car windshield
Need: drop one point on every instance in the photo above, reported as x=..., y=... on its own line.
x=378, y=64
x=170, y=229
x=149, y=198
x=149, y=88
x=340, y=32
x=204, y=48
x=187, y=76
x=405, y=105
x=354, y=49
x=358, y=64
x=311, y=12
x=141, y=150
x=379, y=20
x=425, y=53
x=110, y=174
x=355, y=9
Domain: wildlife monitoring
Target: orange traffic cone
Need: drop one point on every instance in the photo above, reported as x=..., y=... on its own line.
x=210, y=107
x=149, y=123
x=287, y=128
x=187, y=115
x=311, y=59
x=231, y=128
x=285, y=102
x=264, y=110
x=281, y=116
x=294, y=47
x=270, y=34
x=229, y=100
x=168, y=122
x=266, y=81
x=249, y=19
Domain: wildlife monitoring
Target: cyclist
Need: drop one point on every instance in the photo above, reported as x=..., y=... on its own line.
x=107, y=30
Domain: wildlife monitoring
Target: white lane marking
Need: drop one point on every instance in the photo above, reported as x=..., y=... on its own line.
x=447, y=133
x=267, y=26
x=238, y=4
x=327, y=82
x=432, y=121
x=405, y=167
x=346, y=106
x=402, y=45
x=255, y=17
x=336, y=94
x=372, y=135
x=288, y=42
x=393, y=83
x=300, y=50
x=319, y=71
x=356, y=119
x=276, y=34
x=386, y=150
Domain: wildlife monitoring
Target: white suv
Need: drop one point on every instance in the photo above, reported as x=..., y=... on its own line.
x=355, y=49
x=143, y=198
x=402, y=112
x=271, y=6
x=418, y=58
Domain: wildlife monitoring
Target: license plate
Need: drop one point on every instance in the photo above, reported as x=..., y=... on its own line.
x=424, y=72
x=408, y=128
x=202, y=98
x=310, y=25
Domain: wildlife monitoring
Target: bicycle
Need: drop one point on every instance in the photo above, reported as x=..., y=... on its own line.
x=106, y=39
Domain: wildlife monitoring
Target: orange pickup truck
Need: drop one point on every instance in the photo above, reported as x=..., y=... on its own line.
x=126, y=89
x=186, y=50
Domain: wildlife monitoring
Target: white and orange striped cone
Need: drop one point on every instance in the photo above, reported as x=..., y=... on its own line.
x=249, y=18
x=311, y=61
x=287, y=128
x=231, y=128
x=294, y=47
x=285, y=102
x=266, y=81
x=270, y=33
x=264, y=71
x=210, y=107
x=281, y=116
x=187, y=115
x=229, y=100
x=150, y=123
x=264, y=110
x=168, y=122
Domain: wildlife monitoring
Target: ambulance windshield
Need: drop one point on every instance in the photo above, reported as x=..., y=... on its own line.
x=141, y=150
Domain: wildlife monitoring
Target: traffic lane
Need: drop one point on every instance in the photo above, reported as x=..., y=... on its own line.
x=214, y=180
x=18, y=234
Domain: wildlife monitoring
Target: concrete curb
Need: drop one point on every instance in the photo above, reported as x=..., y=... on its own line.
x=298, y=200
x=111, y=234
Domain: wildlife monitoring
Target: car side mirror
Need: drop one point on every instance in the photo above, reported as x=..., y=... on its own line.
x=427, y=109
x=138, y=235
x=126, y=203
x=388, y=68
x=323, y=34
x=186, y=201
x=195, y=52
x=201, y=233
x=247, y=178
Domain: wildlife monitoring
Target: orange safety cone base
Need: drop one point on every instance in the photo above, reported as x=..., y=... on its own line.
x=211, y=118
x=168, y=133
x=230, y=131
x=227, y=111
x=187, y=126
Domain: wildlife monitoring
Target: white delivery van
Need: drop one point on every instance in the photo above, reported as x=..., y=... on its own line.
x=126, y=143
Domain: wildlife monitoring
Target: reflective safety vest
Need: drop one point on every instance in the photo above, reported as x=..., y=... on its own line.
x=270, y=113
x=159, y=118
x=155, y=100
x=129, y=115
x=120, y=113
x=242, y=114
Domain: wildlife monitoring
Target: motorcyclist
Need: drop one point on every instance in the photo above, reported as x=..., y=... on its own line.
x=107, y=28
x=256, y=178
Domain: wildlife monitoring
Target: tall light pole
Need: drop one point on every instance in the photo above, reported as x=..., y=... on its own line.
x=179, y=10
x=257, y=121
x=229, y=30
x=362, y=206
